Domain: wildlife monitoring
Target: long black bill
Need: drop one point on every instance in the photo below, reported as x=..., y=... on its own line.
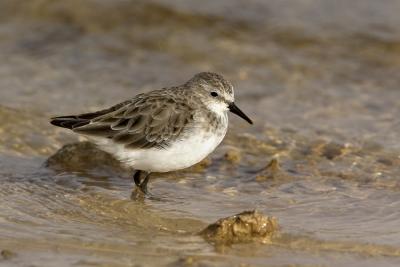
x=234, y=109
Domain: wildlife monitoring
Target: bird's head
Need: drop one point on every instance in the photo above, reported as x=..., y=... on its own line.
x=216, y=93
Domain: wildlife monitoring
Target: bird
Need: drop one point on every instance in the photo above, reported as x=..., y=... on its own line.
x=162, y=130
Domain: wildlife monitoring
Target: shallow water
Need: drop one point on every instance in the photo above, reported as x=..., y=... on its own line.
x=319, y=78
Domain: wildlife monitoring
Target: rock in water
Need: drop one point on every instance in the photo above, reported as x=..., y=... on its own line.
x=247, y=226
x=7, y=254
x=82, y=156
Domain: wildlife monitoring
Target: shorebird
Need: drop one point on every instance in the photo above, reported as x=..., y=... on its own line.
x=163, y=130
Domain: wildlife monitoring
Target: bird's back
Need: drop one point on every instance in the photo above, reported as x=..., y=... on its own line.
x=153, y=119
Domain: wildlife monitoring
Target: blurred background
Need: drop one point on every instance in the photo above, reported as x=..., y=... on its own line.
x=319, y=78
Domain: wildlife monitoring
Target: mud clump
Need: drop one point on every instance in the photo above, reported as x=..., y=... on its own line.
x=328, y=150
x=233, y=156
x=7, y=254
x=199, y=167
x=333, y=150
x=273, y=170
x=83, y=156
x=244, y=227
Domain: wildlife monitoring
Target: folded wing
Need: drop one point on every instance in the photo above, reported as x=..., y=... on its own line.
x=146, y=121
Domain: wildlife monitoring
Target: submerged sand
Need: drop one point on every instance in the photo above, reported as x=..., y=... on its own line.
x=319, y=79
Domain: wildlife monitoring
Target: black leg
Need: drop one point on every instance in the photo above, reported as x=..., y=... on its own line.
x=143, y=184
x=136, y=177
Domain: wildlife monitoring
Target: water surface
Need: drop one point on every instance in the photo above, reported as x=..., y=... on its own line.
x=319, y=79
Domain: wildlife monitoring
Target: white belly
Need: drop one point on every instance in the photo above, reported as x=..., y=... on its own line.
x=179, y=155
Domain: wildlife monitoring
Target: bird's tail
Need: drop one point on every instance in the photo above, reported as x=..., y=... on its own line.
x=69, y=122
x=74, y=121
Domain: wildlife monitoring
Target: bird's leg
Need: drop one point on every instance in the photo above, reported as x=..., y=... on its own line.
x=143, y=184
x=136, y=177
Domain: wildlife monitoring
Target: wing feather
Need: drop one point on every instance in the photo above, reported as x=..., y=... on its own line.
x=145, y=122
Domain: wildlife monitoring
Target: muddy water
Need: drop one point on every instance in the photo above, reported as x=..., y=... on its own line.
x=319, y=78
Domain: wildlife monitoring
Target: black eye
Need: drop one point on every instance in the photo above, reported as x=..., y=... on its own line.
x=214, y=94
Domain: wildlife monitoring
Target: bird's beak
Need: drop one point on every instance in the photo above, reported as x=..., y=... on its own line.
x=234, y=109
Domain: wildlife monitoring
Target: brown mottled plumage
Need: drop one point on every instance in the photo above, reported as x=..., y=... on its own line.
x=171, y=119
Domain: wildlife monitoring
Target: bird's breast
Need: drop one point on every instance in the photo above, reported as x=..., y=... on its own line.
x=180, y=154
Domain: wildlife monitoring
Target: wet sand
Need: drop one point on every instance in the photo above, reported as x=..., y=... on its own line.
x=319, y=79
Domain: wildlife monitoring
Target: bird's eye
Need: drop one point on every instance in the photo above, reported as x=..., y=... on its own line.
x=214, y=94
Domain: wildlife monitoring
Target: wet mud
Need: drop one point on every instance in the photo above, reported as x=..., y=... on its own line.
x=319, y=79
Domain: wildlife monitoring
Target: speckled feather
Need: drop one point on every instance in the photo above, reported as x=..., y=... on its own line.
x=163, y=130
x=154, y=119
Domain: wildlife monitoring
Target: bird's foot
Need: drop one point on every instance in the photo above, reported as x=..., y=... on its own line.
x=141, y=186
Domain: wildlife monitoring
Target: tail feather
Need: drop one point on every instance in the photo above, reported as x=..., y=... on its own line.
x=69, y=122
x=74, y=121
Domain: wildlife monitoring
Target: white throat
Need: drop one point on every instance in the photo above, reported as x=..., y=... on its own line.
x=218, y=107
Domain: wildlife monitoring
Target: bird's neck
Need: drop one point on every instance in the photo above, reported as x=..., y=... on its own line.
x=219, y=109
